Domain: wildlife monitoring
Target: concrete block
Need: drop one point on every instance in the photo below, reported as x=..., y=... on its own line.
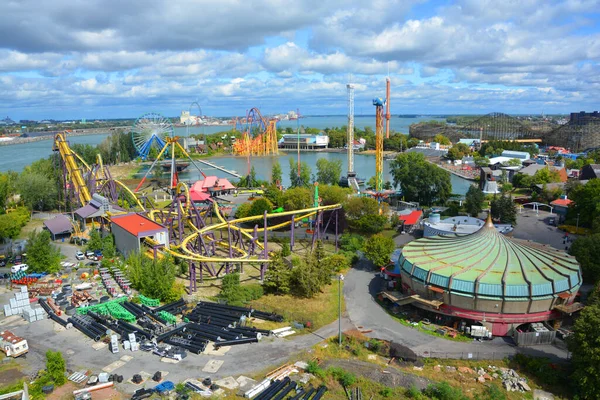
x=23, y=289
x=13, y=303
x=7, y=310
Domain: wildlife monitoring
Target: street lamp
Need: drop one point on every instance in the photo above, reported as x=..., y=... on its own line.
x=577, y=228
x=340, y=279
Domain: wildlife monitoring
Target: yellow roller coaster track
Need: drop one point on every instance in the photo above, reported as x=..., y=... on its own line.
x=181, y=250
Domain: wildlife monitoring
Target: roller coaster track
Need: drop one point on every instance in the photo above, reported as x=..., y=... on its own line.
x=73, y=170
x=183, y=249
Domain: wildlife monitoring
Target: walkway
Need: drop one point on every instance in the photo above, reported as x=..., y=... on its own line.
x=360, y=288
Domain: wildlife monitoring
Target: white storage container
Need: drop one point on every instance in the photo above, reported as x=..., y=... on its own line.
x=7, y=310
x=126, y=345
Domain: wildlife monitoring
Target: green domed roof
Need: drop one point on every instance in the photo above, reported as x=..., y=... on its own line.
x=488, y=263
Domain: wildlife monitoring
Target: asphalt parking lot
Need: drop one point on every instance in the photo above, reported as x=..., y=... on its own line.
x=535, y=226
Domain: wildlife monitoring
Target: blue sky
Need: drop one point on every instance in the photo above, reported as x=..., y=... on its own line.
x=115, y=59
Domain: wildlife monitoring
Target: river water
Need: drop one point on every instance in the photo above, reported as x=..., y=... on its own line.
x=16, y=157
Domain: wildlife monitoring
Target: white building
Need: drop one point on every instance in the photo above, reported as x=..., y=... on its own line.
x=521, y=155
x=457, y=226
x=305, y=141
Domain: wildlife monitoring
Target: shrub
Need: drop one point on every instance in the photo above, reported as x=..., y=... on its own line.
x=443, y=391
x=285, y=249
x=386, y=392
x=345, y=378
x=56, y=367
x=413, y=392
x=374, y=345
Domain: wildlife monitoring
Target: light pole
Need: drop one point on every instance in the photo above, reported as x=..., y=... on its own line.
x=577, y=228
x=340, y=279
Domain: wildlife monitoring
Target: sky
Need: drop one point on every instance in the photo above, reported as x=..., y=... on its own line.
x=72, y=59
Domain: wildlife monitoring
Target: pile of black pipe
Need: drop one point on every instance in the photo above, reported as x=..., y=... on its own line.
x=91, y=324
x=51, y=314
x=174, y=308
x=133, y=308
x=121, y=327
x=222, y=309
x=221, y=335
x=286, y=389
x=83, y=329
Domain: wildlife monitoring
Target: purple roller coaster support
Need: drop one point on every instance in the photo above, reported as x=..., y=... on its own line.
x=227, y=265
x=254, y=239
x=292, y=234
x=336, y=231
x=263, y=266
x=192, y=272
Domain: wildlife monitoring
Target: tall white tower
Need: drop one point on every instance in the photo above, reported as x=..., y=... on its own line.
x=351, y=173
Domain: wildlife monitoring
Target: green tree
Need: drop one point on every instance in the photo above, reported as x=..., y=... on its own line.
x=352, y=242
x=546, y=175
x=12, y=222
x=305, y=172
x=95, y=243
x=259, y=206
x=333, y=194
x=506, y=188
x=37, y=191
x=108, y=246
x=278, y=276
x=305, y=280
x=481, y=161
x=153, y=278
x=514, y=162
x=362, y=214
x=297, y=198
x=473, y=201
x=378, y=249
x=335, y=263
x=441, y=139
x=504, y=209
x=454, y=154
x=276, y=173
x=586, y=205
x=56, y=367
x=586, y=250
x=522, y=180
x=42, y=255
x=4, y=189
x=585, y=359
x=420, y=180
x=329, y=172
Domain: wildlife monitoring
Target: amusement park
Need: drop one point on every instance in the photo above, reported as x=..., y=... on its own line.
x=172, y=267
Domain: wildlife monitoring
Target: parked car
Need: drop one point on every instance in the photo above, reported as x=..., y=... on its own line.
x=89, y=254
x=19, y=267
x=18, y=260
x=2, y=261
x=79, y=255
x=97, y=255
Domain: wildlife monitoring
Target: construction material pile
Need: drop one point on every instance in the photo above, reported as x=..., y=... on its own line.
x=278, y=385
x=20, y=305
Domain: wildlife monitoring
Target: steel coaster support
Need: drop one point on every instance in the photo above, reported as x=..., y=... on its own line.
x=292, y=232
x=315, y=233
x=254, y=240
x=336, y=230
x=192, y=272
x=263, y=266
x=227, y=264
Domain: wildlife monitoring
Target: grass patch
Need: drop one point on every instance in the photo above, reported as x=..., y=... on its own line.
x=319, y=311
x=32, y=225
x=389, y=233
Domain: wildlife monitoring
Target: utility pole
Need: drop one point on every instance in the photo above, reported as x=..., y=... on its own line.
x=387, y=107
x=340, y=279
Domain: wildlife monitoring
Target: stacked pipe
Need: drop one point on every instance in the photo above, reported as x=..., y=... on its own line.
x=122, y=282
x=234, y=310
x=51, y=313
x=109, y=282
x=134, y=309
x=174, y=308
x=121, y=327
x=83, y=329
x=91, y=324
x=222, y=336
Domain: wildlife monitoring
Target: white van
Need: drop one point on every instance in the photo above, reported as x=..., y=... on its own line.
x=19, y=267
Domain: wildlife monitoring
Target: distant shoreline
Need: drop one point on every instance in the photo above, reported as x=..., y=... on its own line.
x=50, y=135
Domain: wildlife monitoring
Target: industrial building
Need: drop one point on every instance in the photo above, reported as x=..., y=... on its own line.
x=305, y=141
x=488, y=278
x=130, y=229
x=461, y=225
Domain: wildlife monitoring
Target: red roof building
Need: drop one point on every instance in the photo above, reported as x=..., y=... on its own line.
x=212, y=184
x=561, y=202
x=412, y=218
x=130, y=229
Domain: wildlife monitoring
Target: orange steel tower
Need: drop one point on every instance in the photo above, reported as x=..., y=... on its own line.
x=387, y=107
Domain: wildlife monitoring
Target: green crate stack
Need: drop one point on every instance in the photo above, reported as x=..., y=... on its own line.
x=149, y=302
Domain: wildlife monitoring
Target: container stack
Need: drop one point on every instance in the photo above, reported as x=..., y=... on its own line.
x=18, y=303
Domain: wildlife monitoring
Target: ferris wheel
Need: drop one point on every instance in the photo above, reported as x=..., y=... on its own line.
x=148, y=130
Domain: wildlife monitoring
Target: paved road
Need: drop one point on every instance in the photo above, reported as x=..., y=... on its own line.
x=360, y=287
x=534, y=226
